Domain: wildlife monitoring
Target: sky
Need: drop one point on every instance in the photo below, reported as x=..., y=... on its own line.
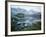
x=35, y=8
x=29, y=9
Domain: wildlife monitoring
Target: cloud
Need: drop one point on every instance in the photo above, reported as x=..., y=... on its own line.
x=35, y=8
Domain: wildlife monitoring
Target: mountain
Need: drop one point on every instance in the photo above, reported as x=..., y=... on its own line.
x=15, y=11
x=21, y=19
x=25, y=15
